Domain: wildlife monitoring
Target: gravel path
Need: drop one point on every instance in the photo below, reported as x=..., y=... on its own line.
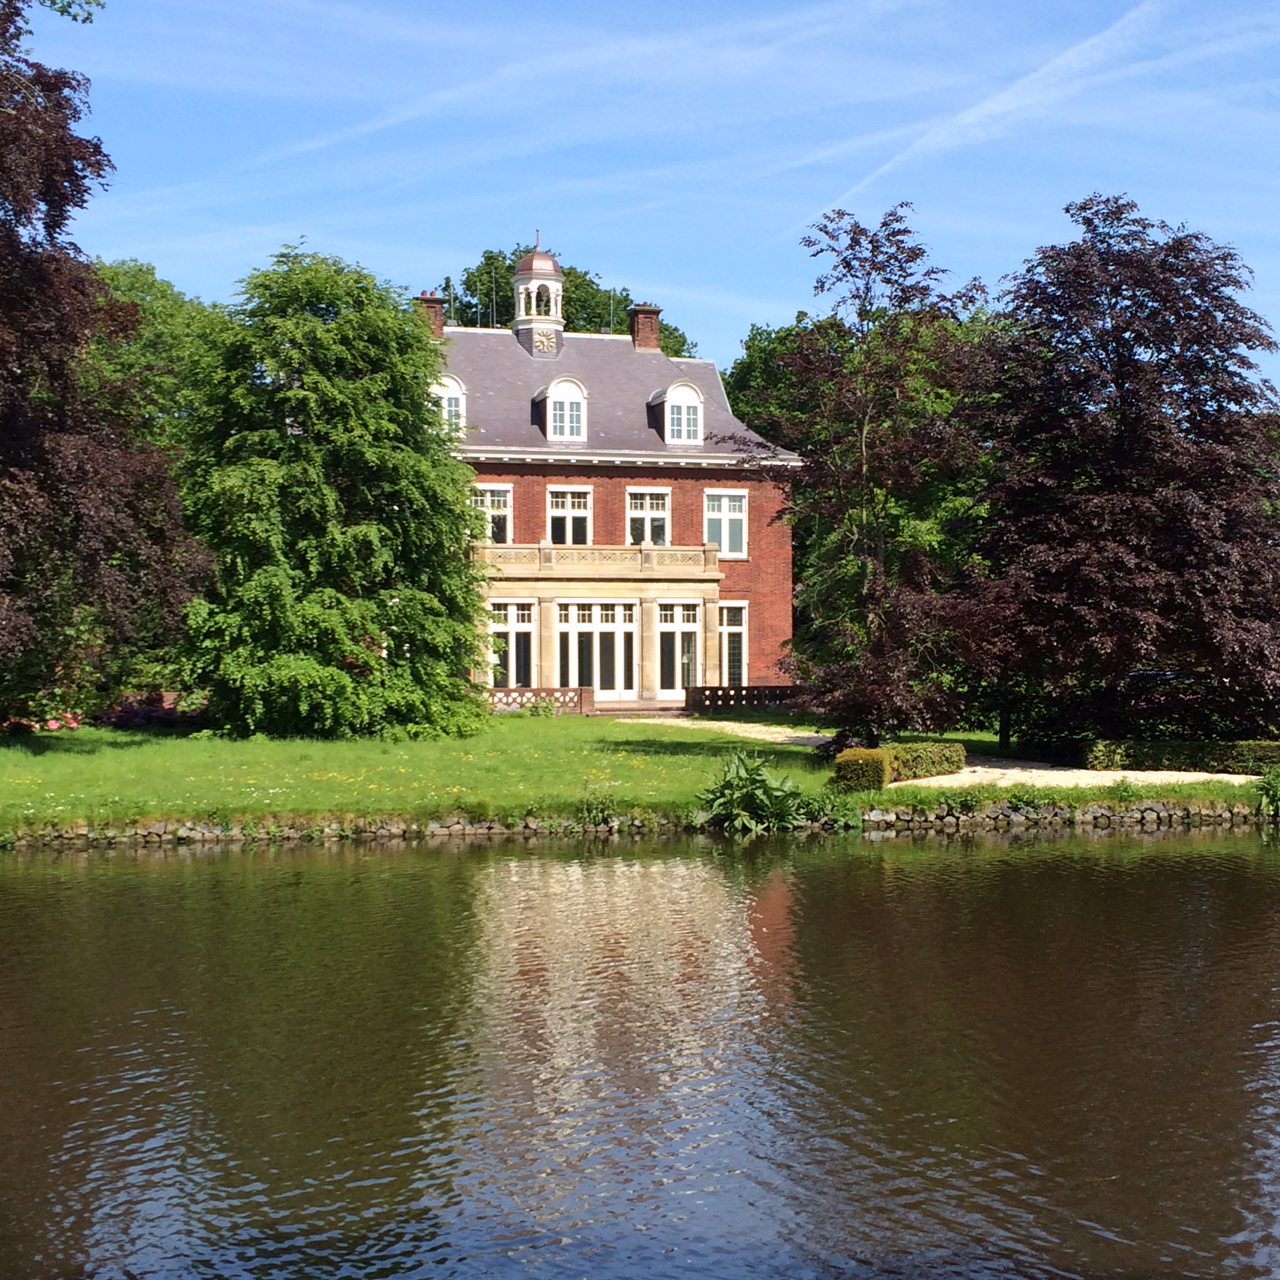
x=981, y=769
x=740, y=729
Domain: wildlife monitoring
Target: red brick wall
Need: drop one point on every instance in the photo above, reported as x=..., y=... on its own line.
x=763, y=580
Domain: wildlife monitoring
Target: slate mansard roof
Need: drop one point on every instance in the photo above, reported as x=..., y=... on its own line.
x=501, y=380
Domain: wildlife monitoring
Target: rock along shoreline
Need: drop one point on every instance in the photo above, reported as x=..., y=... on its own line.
x=877, y=824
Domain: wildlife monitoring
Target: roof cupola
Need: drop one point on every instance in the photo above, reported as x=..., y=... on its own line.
x=539, y=286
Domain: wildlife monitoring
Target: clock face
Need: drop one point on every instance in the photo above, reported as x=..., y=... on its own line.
x=544, y=340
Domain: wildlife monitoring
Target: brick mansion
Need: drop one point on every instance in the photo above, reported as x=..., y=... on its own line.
x=633, y=547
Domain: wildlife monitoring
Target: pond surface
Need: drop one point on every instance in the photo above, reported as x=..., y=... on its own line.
x=828, y=1059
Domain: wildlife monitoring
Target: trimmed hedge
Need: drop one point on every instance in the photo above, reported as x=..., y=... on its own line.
x=873, y=768
x=863, y=769
x=1190, y=757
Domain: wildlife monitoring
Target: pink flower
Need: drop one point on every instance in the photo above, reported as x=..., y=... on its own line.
x=53, y=724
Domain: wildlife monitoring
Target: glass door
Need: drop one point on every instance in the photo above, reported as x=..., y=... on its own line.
x=598, y=647
x=678, y=665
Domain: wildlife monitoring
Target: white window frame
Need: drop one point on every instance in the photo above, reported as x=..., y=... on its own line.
x=679, y=627
x=559, y=399
x=480, y=490
x=511, y=626
x=568, y=512
x=646, y=489
x=723, y=631
x=708, y=516
x=447, y=389
x=677, y=402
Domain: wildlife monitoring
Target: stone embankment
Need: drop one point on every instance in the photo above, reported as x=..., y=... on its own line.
x=1146, y=815
x=877, y=824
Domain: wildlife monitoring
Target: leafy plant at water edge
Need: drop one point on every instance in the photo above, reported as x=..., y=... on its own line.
x=1269, y=789
x=1123, y=791
x=746, y=800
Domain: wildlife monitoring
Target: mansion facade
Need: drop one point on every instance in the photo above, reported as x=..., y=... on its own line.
x=633, y=546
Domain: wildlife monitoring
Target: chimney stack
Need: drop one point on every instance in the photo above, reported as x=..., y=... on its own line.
x=434, y=307
x=644, y=326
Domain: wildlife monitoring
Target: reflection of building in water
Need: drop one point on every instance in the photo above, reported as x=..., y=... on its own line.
x=617, y=1032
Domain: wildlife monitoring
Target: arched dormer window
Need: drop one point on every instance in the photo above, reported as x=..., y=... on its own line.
x=681, y=409
x=452, y=398
x=564, y=411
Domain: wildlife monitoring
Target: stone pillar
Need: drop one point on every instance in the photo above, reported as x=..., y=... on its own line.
x=711, y=641
x=647, y=682
x=548, y=650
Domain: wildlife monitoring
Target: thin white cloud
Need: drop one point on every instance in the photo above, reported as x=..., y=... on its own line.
x=1059, y=78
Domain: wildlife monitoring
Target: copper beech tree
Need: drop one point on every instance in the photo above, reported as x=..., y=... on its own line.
x=93, y=557
x=1127, y=572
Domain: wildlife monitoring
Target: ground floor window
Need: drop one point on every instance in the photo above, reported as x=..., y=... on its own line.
x=733, y=644
x=677, y=647
x=511, y=627
x=598, y=646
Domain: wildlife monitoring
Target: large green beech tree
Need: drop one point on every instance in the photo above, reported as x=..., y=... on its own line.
x=321, y=476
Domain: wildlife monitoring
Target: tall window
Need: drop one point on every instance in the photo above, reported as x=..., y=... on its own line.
x=497, y=503
x=569, y=517
x=677, y=647
x=511, y=642
x=733, y=644
x=726, y=522
x=647, y=518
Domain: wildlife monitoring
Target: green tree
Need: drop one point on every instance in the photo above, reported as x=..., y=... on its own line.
x=153, y=370
x=485, y=295
x=876, y=398
x=321, y=477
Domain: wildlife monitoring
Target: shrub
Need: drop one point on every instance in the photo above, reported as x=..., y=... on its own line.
x=1184, y=756
x=873, y=768
x=863, y=769
x=926, y=759
x=1269, y=787
x=745, y=800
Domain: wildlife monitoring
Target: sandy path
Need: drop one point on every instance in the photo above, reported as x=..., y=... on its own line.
x=1007, y=773
x=740, y=729
x=982, y=770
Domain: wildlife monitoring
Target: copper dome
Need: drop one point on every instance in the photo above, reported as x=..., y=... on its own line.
x=540, y=263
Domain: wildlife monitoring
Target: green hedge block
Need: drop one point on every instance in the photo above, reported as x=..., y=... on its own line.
x=1191, y=757
x=872, y=769
x=863, y=769
x=926, y=759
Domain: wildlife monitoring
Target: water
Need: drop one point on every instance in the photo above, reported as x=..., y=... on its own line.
x=828, y=1059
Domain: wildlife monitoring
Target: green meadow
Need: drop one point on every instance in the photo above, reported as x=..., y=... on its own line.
x=519, y=766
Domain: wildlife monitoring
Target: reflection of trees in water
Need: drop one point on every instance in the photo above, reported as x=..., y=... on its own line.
x=216, y=1059
x=1047, y=1055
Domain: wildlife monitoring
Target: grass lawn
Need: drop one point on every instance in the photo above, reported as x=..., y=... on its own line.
x=518, y=766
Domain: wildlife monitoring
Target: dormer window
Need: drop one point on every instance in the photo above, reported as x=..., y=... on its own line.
x=564, y=411
x=680, y=407
x=451, y=396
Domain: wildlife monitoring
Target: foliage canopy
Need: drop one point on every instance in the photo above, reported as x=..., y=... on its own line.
x=322, y=478
x=94, y=561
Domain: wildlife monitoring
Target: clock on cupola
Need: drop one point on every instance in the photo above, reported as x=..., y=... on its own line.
x=539, y=286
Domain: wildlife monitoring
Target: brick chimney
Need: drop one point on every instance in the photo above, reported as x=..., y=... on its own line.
x=434, y=307
x=644, y=326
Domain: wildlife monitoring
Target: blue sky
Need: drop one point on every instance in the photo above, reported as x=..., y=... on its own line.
x=677, y=148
